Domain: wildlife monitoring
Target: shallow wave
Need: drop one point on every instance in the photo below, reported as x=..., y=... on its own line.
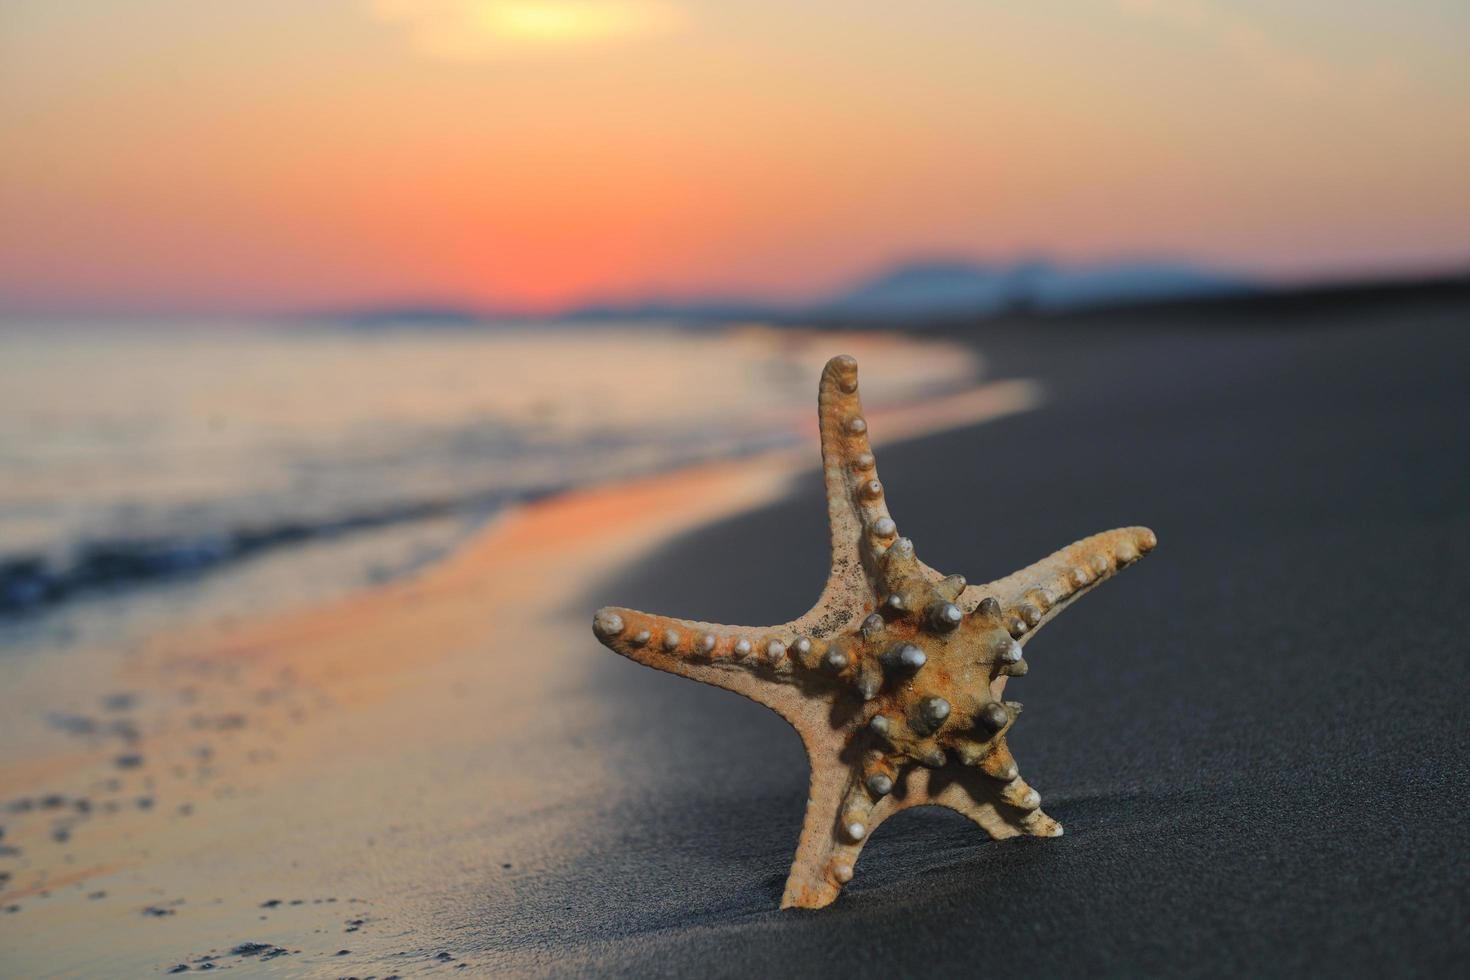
x=31, y=581
x=165, y=455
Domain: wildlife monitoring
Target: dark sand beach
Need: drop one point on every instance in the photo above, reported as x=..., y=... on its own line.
x=1256, y=739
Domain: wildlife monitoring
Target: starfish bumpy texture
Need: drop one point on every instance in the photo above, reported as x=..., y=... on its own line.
x=894, y=678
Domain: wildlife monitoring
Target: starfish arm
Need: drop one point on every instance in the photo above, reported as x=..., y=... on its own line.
x=756, y=661
x=1001, y=809
x=841, y=816
x=857, y=515
x=826, y=854
x=1032, y=597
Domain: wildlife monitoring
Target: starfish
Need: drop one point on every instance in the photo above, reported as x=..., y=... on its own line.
x=894, y=678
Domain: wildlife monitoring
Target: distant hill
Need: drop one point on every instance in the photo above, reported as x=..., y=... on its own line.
x=950, y=288
x=713, y=310
x=945, y=288
x=380, y=317
x=910, y=290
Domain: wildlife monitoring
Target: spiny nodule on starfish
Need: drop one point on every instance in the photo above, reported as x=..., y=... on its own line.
x=894, y=678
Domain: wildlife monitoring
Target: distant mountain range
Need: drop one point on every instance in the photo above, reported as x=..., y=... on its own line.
x=912, y=290
x=934, y=289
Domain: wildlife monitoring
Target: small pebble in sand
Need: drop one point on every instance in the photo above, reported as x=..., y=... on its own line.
x=130, y=760
x=73, y=724
x=157, y=912
x=263, y=950
x=343, y=952
x=121, y=701
x=96, y=895
x=270, y=903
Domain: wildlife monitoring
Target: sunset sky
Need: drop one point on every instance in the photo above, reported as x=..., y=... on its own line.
x=184, y=156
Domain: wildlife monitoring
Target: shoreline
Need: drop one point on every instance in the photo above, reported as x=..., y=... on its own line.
x=238, y=731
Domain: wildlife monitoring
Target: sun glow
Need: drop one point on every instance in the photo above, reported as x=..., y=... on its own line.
x=472, y=30
x=534, y=154
x=563, y=21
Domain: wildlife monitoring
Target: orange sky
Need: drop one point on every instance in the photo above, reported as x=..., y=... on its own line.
x=170, y=155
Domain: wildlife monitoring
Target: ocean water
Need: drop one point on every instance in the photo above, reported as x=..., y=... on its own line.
x=153, y=472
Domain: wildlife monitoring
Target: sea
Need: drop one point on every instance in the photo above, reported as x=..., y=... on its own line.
x=158, y=473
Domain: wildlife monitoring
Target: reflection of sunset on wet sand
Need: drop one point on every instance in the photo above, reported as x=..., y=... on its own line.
x=407, y=683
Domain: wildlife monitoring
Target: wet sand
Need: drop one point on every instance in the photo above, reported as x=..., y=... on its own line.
x=1256, y=739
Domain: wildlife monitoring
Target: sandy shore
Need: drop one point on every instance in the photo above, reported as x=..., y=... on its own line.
x=328, y=783
x=1257, y=739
